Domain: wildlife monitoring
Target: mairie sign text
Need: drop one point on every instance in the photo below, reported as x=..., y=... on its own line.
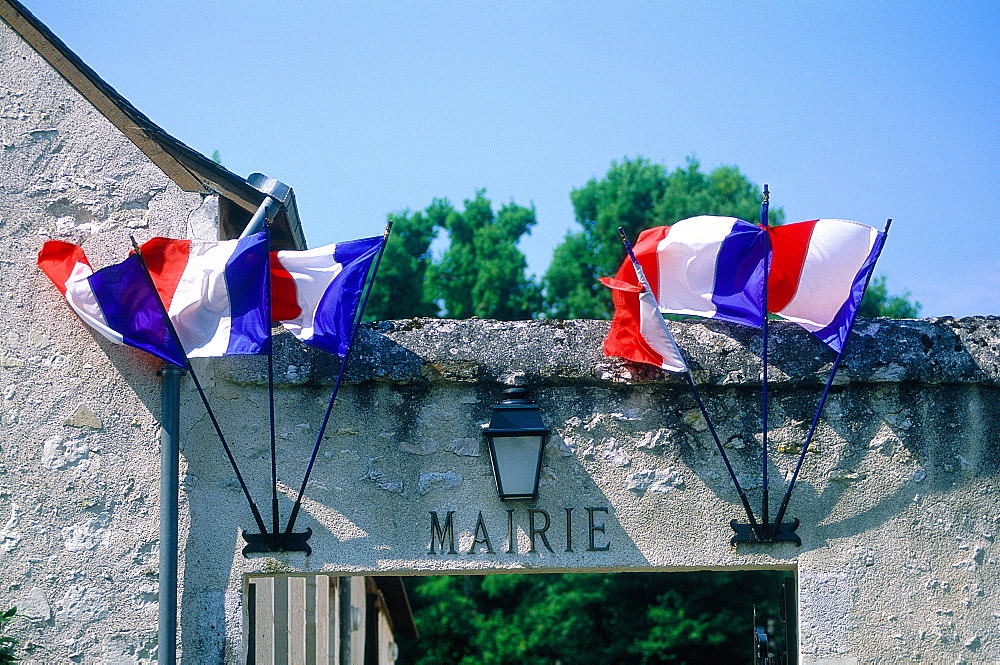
x=569, y=531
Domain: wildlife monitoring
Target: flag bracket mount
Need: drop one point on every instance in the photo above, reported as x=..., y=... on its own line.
x=283, y=541
x=785, y=533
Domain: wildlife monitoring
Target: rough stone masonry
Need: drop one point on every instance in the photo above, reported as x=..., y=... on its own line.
x=897, y=499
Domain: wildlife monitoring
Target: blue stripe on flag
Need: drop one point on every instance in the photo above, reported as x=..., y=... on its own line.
x=249, y=304
x=332, y=325
x=132, y=308
x=738, y=292
x=835, y=333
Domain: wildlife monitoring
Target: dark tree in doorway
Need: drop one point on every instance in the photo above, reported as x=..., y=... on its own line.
x=703, y=617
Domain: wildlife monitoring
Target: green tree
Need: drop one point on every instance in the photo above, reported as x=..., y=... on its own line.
x=482, y=273
x=878, y=302
x=399, y=291
x=7, y=644
x=636, y=194
x=589, y=619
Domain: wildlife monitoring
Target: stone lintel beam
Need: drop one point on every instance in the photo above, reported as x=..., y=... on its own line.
x=556, y=352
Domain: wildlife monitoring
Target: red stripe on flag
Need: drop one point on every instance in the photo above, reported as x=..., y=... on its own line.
x=625, y=340
x=166, y=259
x=57, y=260
x=284, y=296
x=789, y=245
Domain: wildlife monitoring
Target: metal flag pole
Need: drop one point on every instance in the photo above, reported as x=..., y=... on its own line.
x=764, y=500
x=822, y=399
x=358, y=314
x=170, y=480
x=201, y=391
x=641, y=275
x=270, y=381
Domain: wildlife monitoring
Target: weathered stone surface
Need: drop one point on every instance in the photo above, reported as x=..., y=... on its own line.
x=35, y=606
x=78, y=451
x=933, y=351
x=84, y=417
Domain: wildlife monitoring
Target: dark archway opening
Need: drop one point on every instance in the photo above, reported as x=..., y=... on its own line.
x=602, y=618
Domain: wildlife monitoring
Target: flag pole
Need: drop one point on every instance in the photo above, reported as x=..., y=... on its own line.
x=757, y=529
x=201, y=391
x=270, y=380
x=358, y=314
x=765, y=499
x=822, y=399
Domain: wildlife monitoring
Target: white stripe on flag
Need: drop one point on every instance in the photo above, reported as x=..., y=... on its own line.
x=686, y=261
x=657, y=335
x=200, y=307
x=81, y=298
x=312, y=270
x=837, y=250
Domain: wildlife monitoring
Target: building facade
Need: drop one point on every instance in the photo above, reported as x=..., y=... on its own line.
x=897, y=501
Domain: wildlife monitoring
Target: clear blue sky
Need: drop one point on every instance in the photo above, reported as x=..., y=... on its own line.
x=858, y=110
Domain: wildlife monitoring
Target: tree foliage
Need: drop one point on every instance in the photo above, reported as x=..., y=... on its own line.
x=482, y=273
x=399, y=291
x=636, y=194
x=586, y=618
x=7, y=644
x=878, y=302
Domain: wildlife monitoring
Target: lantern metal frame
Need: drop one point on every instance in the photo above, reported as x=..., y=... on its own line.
x=515, y=416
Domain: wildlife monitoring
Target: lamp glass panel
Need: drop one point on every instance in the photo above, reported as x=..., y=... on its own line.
x=517, y=462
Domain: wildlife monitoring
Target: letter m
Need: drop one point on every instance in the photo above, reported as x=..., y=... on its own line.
x=441, y=533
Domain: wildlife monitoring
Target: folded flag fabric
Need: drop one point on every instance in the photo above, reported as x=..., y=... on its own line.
x=638, y=331
x=714, y=267
x=315, y=292
x=705, y=266
x=702, y=266
x=118, y=301
x=214, y=292
x=819, y=270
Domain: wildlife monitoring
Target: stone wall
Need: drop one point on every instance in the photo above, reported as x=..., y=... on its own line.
x=897, y=498
x=78, y=441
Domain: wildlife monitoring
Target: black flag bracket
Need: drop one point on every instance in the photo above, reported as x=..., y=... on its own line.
x=282, y=541
x=784, y=533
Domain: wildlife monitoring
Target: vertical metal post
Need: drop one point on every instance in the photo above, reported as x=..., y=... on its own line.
x=169, y=482
x=765, y=500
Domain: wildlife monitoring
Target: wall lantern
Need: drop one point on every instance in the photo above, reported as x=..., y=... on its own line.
x=516, y=436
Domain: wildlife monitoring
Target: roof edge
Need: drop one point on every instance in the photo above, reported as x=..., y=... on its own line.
x=188, y=168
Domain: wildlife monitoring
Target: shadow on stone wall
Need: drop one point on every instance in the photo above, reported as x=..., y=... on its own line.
x=912, y=412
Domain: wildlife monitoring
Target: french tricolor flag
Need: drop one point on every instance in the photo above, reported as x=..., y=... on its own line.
x=215, y=294
x=706, y=266
x=714, y=267
x=316, y=291
x=819, y=270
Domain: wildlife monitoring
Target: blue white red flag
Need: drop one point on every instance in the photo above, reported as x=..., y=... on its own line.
x=315, y=292
x=714, y=267
x=117, y=301
x=705, y=266
x=819, y=270
x=214, y=292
